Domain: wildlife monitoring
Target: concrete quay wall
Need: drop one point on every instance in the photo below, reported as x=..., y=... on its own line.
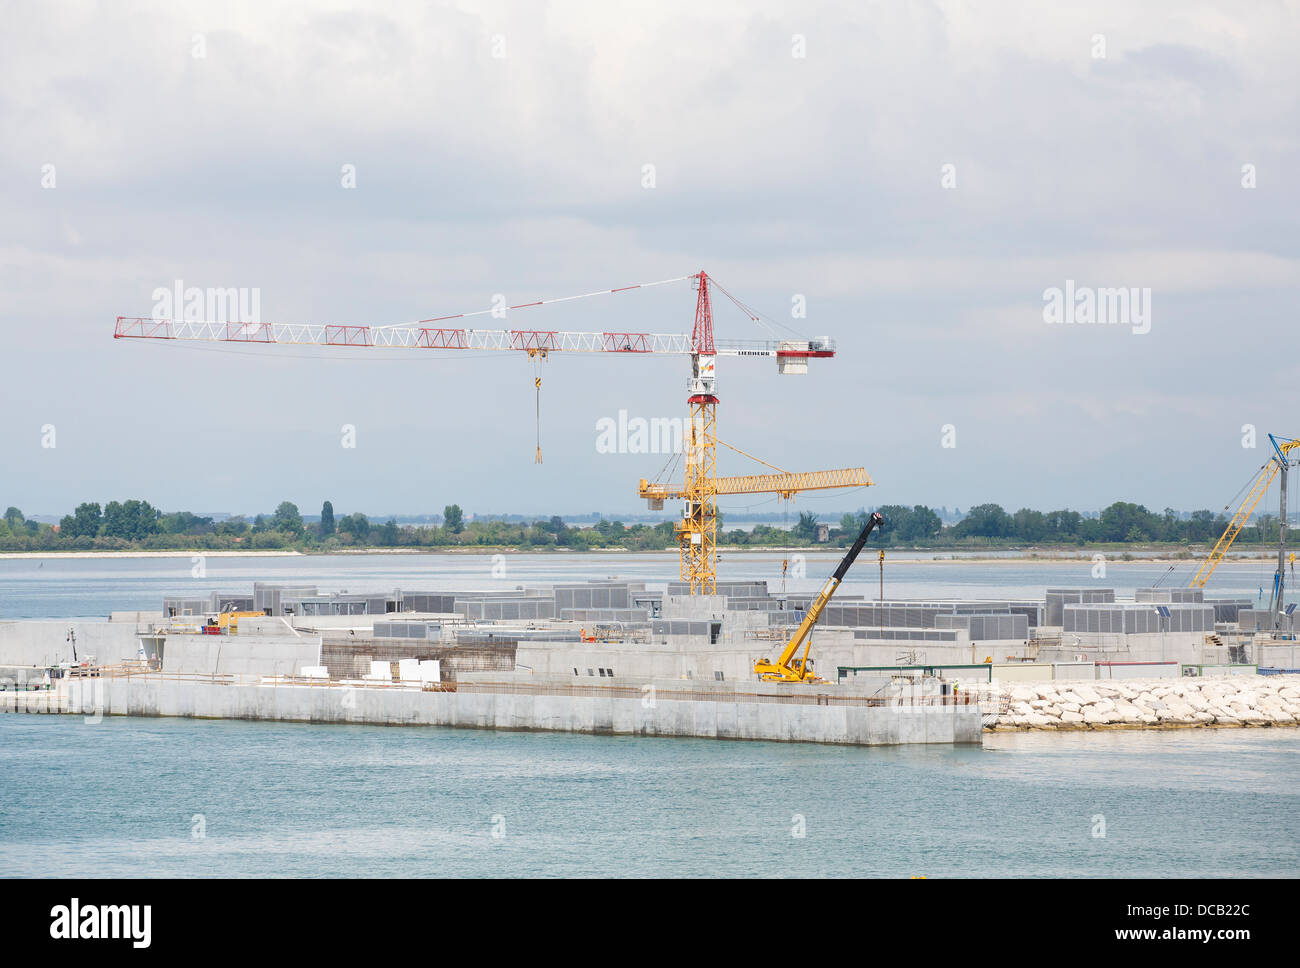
x=839, y=723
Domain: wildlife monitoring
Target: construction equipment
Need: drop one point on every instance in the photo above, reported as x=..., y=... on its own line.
x=697, y=531
x=789, y=669
x=1276, y=465
x=230, y=619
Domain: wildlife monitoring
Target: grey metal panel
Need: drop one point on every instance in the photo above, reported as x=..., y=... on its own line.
x=1169, y=595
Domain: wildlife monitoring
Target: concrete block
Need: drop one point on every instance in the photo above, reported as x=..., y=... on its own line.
x=705, y=720
x=938, y=723
x=911, y=725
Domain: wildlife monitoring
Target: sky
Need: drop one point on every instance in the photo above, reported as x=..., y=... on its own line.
x=919, y=177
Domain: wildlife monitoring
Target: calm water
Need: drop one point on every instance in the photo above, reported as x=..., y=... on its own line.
x=120, y=798
x=81, y=588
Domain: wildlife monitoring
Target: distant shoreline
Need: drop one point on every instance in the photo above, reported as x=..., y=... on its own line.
x=897, y=557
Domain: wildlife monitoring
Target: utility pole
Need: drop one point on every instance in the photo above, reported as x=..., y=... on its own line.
x=882, y=575
x=1281, y=546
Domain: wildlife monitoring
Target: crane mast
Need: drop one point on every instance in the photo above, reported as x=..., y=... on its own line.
x=698, y=531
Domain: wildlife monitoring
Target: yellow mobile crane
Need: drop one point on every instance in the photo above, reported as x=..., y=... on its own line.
x=789, y=669
x=1276, y=464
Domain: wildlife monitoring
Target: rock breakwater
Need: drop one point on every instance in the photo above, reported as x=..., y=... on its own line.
x=1151, y=703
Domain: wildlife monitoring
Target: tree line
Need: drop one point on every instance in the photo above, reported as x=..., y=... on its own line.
x=136, y=524
x=1120, y=523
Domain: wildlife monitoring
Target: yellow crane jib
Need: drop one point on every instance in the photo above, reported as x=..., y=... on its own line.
x=785, y=485
x=1267, y=474
x=788, y=668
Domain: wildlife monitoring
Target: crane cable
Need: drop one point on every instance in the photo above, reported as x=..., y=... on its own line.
x=537, y=386
x=750, y=456
x=499, y=311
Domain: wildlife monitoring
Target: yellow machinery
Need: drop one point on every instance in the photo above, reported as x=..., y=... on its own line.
x=789, y=669
x=230, y=620
x=1277, y=464
x=698, y=530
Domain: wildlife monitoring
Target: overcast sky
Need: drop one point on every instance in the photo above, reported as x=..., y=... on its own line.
x=799, y=150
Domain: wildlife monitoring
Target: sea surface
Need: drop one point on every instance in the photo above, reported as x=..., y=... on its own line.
x=175, y=797
x=59, y=587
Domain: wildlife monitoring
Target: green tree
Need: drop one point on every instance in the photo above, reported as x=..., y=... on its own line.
x=806, y=527
x=1030, y=525
x=898, y=523
x=1202, y=526
x=132, y=520
x=14, y=518
x=985, y=521
x=923, y=524
x=84, y=522
x=357, y=525
x=184, y=522
x=232, y=527
x=1128, y=522
x=453, y=518
x=1062, y=525
x=326, y=519
x=287, y=518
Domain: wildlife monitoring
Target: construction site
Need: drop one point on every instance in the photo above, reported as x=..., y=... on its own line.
x=697, y=655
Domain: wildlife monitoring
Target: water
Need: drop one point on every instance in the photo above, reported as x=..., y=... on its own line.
x=121, y=798
x=57, y=587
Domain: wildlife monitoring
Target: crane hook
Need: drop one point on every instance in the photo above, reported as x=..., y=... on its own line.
x=537, y=383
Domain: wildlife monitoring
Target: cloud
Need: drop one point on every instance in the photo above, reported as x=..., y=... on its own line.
x=522, y=174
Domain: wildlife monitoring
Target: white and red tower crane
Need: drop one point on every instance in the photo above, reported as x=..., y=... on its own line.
x=697, y=531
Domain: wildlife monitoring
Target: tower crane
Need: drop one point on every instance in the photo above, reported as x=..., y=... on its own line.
x=697, y=530
x=1275, y=466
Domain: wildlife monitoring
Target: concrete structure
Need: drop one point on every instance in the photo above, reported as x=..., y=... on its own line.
x=755, y=711
x=610, y=635
x=47, y=643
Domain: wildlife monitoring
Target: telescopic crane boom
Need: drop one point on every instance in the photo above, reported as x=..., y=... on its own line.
x=789, y=669
x=1275, y=465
